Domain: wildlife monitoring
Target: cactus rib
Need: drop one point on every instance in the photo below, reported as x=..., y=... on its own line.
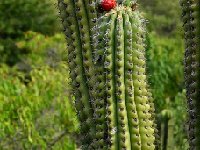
x=191, y=23
x=140, y=84
x=76, y=67
x=123, y=129
x=130, y=103
x=110, y=83
x=100, y=94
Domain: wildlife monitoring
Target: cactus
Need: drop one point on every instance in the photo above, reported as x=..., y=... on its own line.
x=106, y=57
x=191, y=23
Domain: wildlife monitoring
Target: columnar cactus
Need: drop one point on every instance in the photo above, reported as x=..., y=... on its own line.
x=191, y=21
x=107, y=67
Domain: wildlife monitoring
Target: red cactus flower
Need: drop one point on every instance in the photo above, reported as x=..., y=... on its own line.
x=107, y=5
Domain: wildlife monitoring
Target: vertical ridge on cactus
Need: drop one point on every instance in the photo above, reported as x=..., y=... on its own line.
x=99, y=99
x=191, y=23
x=91, y=15
x=153, y=117
x=84, y=28
x=140, y=85
x=81, y=91
x=123, y=128
x=107, y=68
x=111, y=115
x=130, y=103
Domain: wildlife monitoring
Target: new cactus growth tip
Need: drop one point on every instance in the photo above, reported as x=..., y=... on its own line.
x=191, y=23
x=108, y=71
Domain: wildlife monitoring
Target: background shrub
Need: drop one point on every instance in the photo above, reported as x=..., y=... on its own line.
x=17, y=17
x=35, y=103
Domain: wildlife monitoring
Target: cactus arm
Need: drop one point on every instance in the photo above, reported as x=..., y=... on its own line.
x=191, y=23
x=86, y=14
x=164, y=134
x=130, y=103
x=86, y=43
x=188, y=61
x=68, y=15
x=171, y=125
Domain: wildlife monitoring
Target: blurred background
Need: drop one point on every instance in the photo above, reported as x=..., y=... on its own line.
x=35, y=101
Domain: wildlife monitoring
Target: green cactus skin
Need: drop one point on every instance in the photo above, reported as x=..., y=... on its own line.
x=123, y=128
x=75, y=51
x=84, y=30
x=107, y=68
x=142, y=100
x=99, y=95
x=191, y=23
x=129, y=104
x=157, y=141
x=110, y=81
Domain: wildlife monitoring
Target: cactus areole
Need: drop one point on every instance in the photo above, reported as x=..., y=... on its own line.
x=107, y=5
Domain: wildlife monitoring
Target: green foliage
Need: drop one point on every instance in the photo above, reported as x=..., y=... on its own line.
x=17, y=17
x=163, y=16
x=35, y=101
x=165, y=52
x=9, y=52
x=41, y=49
x=33, y=114
x=20, y=16
x=36, y=49
x=179, y=110
x=165, y=66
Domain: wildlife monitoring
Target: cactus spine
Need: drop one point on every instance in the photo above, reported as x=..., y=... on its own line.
x=191, y=22
x=107, y=68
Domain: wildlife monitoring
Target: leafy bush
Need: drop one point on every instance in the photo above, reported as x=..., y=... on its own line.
x=38, y=115
x=165, y=67
x=163, y=16
x=35, y=49
x=17, y=17
x=180, y=116
x=41, y=49
x=35, y=101
x=20, y=16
